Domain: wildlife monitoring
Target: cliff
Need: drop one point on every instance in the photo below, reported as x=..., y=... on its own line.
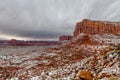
x=97, y=27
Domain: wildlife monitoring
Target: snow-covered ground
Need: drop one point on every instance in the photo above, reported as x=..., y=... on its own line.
x=107, y=38
x=60, y=62
x=105, y=64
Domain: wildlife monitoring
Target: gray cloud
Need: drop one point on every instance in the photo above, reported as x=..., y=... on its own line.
x=48, y=19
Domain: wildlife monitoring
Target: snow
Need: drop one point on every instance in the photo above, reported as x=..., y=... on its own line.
x=35, y=78
x=112, y=70
x=107, y=38
x=14, y=78
x=27, y=63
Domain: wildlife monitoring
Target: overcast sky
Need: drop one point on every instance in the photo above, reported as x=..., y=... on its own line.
x=49, y=19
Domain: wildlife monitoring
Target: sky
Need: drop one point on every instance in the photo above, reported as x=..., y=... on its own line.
x=49, y=19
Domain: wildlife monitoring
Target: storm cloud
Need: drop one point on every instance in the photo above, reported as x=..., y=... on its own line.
x=49, y=19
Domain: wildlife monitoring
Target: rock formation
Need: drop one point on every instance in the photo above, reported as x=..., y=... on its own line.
x=63, y=38
x=97, y=27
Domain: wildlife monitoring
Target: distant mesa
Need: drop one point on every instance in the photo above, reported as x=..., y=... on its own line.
x=64, y=38
x=14, y=42
x=97, y=27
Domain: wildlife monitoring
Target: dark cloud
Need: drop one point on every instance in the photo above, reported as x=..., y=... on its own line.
x=37, y=34
x=48, y=19
x=42, y=34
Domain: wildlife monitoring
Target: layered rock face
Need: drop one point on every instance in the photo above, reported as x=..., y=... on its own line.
x=97, y=27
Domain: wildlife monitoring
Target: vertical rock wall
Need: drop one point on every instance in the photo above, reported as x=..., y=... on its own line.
x=97, y=27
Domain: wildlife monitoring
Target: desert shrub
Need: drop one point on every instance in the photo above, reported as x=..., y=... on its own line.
x=118, y=49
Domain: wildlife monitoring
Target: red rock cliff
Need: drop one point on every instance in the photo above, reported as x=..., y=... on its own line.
x=97, y=27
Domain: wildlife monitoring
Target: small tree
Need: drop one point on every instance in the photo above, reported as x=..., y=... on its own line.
x=118, y=49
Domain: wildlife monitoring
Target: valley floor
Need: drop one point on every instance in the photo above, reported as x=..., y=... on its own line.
x=58, y=63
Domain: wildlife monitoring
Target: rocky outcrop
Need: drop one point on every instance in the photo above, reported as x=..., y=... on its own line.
x=63, y=38
x=97, y=27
